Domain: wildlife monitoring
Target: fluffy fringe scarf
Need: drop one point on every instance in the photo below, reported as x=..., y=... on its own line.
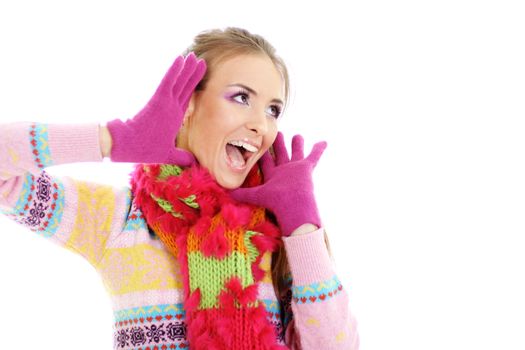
x=219, y=244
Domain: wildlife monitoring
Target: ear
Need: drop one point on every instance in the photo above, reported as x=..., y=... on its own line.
x=190, y=109
x=181, y=139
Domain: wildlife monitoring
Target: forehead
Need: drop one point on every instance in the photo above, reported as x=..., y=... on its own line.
x=255, y=71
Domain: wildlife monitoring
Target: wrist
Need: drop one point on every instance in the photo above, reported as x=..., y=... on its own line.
x=303, y=229
x=309, y=258
x=105, y=141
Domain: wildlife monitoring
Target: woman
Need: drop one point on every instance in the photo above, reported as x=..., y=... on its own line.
x=218, y=244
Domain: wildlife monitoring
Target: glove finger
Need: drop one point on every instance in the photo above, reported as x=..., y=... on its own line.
x=171, y=75
x=297, y=148
x=190, y=63
x=279, y=148
x=246, y=195
x=192, y=83
x=317, y=152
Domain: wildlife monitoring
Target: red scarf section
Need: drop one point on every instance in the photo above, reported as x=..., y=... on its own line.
x=219, y=244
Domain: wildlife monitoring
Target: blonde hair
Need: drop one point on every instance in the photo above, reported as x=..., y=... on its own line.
x=217, y=45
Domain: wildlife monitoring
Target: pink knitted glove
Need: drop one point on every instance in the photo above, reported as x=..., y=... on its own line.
x=150, y=136
x=288, y=189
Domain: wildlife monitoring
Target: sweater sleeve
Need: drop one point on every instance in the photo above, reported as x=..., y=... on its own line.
x=78, y=215
x=321, y=318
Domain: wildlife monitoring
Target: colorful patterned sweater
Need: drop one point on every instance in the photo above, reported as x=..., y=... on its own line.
x=144, y=282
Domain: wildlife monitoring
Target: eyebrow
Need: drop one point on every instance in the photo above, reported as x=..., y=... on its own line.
x=253, y=92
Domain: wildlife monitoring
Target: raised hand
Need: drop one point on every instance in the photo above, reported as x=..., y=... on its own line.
x=288, y=189
x=149, y=137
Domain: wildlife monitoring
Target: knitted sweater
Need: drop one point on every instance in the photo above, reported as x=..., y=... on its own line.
x=142, y=277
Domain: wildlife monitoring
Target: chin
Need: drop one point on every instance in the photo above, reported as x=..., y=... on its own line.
x=231, y=183
x=227, y=178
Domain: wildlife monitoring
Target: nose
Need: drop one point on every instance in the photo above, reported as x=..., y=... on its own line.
x=258, y=122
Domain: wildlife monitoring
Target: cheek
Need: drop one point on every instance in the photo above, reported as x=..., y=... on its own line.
x=206, y=135
x=271, y=135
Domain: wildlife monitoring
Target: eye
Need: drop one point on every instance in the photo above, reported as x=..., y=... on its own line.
x=275, y=111
x=241, y=97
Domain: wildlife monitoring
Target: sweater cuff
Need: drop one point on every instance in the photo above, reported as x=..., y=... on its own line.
x=71, y=143
x=308, y=258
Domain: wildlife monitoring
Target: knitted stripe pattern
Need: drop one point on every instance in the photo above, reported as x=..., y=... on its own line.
x=219, y=244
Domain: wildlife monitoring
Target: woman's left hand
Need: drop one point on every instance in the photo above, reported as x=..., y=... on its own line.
x=288, y=189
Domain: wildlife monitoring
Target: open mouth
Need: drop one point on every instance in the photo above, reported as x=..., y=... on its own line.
x=239, y=153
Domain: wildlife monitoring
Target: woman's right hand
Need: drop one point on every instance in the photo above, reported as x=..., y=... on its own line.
x=149, y=137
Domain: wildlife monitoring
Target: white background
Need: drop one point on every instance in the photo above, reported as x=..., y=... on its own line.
x=421, y=188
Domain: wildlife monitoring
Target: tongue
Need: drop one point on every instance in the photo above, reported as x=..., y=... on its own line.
x=235, y=156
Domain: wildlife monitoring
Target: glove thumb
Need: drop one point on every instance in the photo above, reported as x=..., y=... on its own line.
x=180, y=157
x=246, y=195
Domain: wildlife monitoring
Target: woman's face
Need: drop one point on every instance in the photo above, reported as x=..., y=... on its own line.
x=233, y=121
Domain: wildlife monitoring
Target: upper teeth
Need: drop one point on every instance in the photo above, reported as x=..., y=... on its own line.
x=244, y=145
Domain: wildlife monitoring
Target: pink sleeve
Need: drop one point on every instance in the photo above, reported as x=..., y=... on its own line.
x=79, y=215
x=321, y=317
x=31, y=147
